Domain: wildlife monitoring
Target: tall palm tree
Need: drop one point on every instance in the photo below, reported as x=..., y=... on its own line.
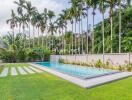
x=119, y=26
x=23, y=17
x=38, y=25
x=45, y=12
x=34, y=22
x=71, y=14
x=30, y=10
x=51, y=29
x=13, y=22
x=93, y=5
x=102, y=10
x=87, y=2
x=112, y=4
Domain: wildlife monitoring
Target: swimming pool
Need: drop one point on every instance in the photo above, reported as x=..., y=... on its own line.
x=76, y=70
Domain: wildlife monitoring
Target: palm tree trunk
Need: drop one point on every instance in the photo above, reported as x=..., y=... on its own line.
x=72, y=38
x=19, y=28
x=93, y=34
x=79, y=36
x=33, y=36
x=87, y=30
x=111, y=21
x=42, y=40
x=82, y=33
x=120, y=26
x=38, y=36
x=13, y=36
x=29, y=35
x=75, y=36
x=103, y=30
x=62, y=41
x=24, y=39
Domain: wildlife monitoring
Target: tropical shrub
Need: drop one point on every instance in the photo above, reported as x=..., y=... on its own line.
x=99, y=63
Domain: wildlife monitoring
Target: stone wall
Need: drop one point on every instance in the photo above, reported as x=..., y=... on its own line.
x=114, y=59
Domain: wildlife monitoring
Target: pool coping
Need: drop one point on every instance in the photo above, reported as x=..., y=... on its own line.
x=87, y=83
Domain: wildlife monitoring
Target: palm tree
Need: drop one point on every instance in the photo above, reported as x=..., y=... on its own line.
x=23, y=17
x=93, y=5
x=34, y=22
x=38, y=25
x=87, y=2
x=111, y=4
x=43, y=23
x=24, y=23
x=45, y=19
x=71, y=13
x=13, y=22
x=30, y=10
x=52, y=30
x=102, y=10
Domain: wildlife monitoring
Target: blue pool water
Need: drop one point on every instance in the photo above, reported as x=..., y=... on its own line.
x=76, y=70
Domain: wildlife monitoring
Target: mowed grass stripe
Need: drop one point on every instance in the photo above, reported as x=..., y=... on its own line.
x=22, y=71
x=35, y=69
x=28, y=70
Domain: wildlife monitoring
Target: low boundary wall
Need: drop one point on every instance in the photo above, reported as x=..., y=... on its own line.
x=114, y=59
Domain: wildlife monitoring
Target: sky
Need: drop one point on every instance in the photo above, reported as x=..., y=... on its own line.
x=56, y=5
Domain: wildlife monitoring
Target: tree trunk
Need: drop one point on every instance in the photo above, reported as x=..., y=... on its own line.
x=72, y=39
x=13, y=36
x=120, y=26
x=87, y=31
x=93, y=34
x=33, y=36
x=29, y=35
x=79, y=36
x=42, y=39
x=75, y=37
x=111, y=21
x=103, y=30
x=24, y=39
x=38, y=36
x=82, y=33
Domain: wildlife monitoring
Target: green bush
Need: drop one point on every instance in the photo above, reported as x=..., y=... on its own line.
x=99, y=63
x=61, y=60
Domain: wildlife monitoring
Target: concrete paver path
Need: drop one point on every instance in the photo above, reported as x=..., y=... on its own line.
x=13, y=71
x=4, y=73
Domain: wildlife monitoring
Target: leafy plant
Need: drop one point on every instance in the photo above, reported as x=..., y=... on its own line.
x=99, y=63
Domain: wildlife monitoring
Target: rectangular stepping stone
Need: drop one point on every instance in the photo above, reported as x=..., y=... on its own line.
x=28, y=70
x=13, y=71
x=4, y=73
x=21, y=71
x=36, y=70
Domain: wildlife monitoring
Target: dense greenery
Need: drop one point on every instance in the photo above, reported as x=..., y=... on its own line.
x=16, y=52
x=126, y=33
x=48, y=87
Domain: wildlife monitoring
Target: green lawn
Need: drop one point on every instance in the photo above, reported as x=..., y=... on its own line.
x=49, y=87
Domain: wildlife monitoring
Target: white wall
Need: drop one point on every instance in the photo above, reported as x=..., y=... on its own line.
x=114, y=59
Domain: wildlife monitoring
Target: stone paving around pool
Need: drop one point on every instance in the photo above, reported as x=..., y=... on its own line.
x=14, y=71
